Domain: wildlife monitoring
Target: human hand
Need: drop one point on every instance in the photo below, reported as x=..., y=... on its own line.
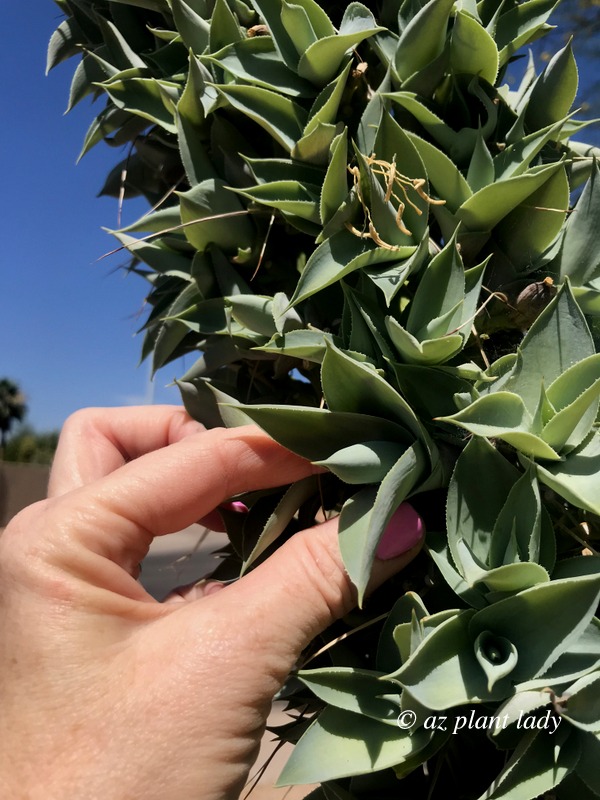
x=106, y=693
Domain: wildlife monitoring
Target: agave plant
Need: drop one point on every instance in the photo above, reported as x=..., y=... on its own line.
x=371, y=227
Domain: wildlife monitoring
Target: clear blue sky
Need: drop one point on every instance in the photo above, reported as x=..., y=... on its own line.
x=67, y=324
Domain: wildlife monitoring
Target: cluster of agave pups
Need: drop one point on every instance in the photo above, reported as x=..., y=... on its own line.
x=373, y=234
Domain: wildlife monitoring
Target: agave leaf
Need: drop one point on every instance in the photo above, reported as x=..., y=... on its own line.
x=358, y=690
x=554, y=91
x=316, y=433
x=351, y=386
x=155, y=222
x=338, y=256
x=280, y=517
x=409, y=608
x=481, y=168
x=520, y=25
x=280, y=116
x=289, y=197
x=325, y=108
x=570, y=426
x=253, y=312
x=88, y=76
x=579, y=255
x=587, y=768
x=472, y=49
x=503, y=415
x=320, y=23
x=365, y=515
x=442, y=173
x=576, y=478
x=143, y=97
x=423, y=38
x=340, y=743
x=210, y=199
x=193, y=28
x=224, y=27
x=484, y=209
x=308, y=345
x=426, y=352
x=365, y=462
x=122, y=55
x=256, y=61
x=335, y=185
x=270, y=11
x=523, y=620
x=582, y=708
x=539, y=763
x=390, y=279
x=64, y=43
x=156, y=255
x=516, y=158
x=322, y=60
x=540, y=360
x=189, y=119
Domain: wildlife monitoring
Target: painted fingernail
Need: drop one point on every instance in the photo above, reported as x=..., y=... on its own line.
x=405, y=530
x=235, y=505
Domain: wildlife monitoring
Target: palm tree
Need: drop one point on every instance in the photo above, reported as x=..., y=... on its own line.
x=12, y=408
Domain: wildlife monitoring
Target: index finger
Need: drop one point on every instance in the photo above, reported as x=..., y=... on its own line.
x=169, y=489
x=96, y=441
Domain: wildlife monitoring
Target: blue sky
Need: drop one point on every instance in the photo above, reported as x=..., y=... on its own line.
x=68, y=322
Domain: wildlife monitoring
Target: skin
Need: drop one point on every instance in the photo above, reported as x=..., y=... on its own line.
x=106, y=693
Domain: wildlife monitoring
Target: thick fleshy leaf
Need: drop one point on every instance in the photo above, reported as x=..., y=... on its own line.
x=442, y=173
x=541, y=359
x=481, y=168
x=339, y=744
x=339, y=256
x=554, y=91
x=472, y=49
x=427, y=352
x=316, y=434
x=358, y=690
x=423, y=38
x=520, y=25
x=303, y=344
x=289, y=197
x=582, y=707
x=577, y=477
x=587, y=768
x=193, y=28
x=351, y=386
x=227, y=225
x=503, y=415
x=364, y=516
x=540, y=762
x=523, y=620
x=143, y=97
x=579, y=254
x=366, y=462
x=280, y=116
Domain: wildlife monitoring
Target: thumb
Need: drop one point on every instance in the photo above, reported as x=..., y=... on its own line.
x=304, y=587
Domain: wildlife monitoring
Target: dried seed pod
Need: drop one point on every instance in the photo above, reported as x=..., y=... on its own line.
x=531, y=301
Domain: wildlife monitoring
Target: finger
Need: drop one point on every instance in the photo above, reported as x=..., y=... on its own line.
x=169, y=489
x=302, y=588
x=194, y=591
x=97, y=441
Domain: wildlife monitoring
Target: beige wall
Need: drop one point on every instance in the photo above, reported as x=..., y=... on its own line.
x=20, y=485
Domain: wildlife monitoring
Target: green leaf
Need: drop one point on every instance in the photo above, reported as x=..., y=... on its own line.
x=523, y=619
x=503, y=415
x=427, y=352
x=582, y=708
x=496, y=655
x=351, y=386
x=339, y=744
x=472, y=49
x=324, y=110
x=280, y=116
x=481, y=168
x=227, y=225
x=579, y=253
x=442, y=173
x=255, y=60
x=224, y=27
x=577, y=477
x=270, y=11
x=319, y=22
x=64, y=43
x=540, y=762
x=143, y=97
x=323, y=59
x=280, y=517
x=423, y=38
x=254, y=312
x=554, y=91
x=316, y=433
x=520, y=26
x=335, y=185
x=194, y=30
x=338, y=256
x=358, y=690
x=557, y=339
x=366, y=462
x=308, y=345
x=122, y=55
x=289, y=197
x=483, y=210
x=189, y=119
x=366, y=514
x=587, y=768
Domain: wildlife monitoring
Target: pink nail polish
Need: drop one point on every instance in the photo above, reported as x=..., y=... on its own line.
x=235, y=505
x=403, y=531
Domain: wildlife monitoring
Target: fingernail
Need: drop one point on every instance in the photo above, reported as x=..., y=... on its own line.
x=235, y=505
x=405, y=530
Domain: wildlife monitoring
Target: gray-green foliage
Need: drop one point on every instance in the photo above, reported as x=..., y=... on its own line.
x=363, y=229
